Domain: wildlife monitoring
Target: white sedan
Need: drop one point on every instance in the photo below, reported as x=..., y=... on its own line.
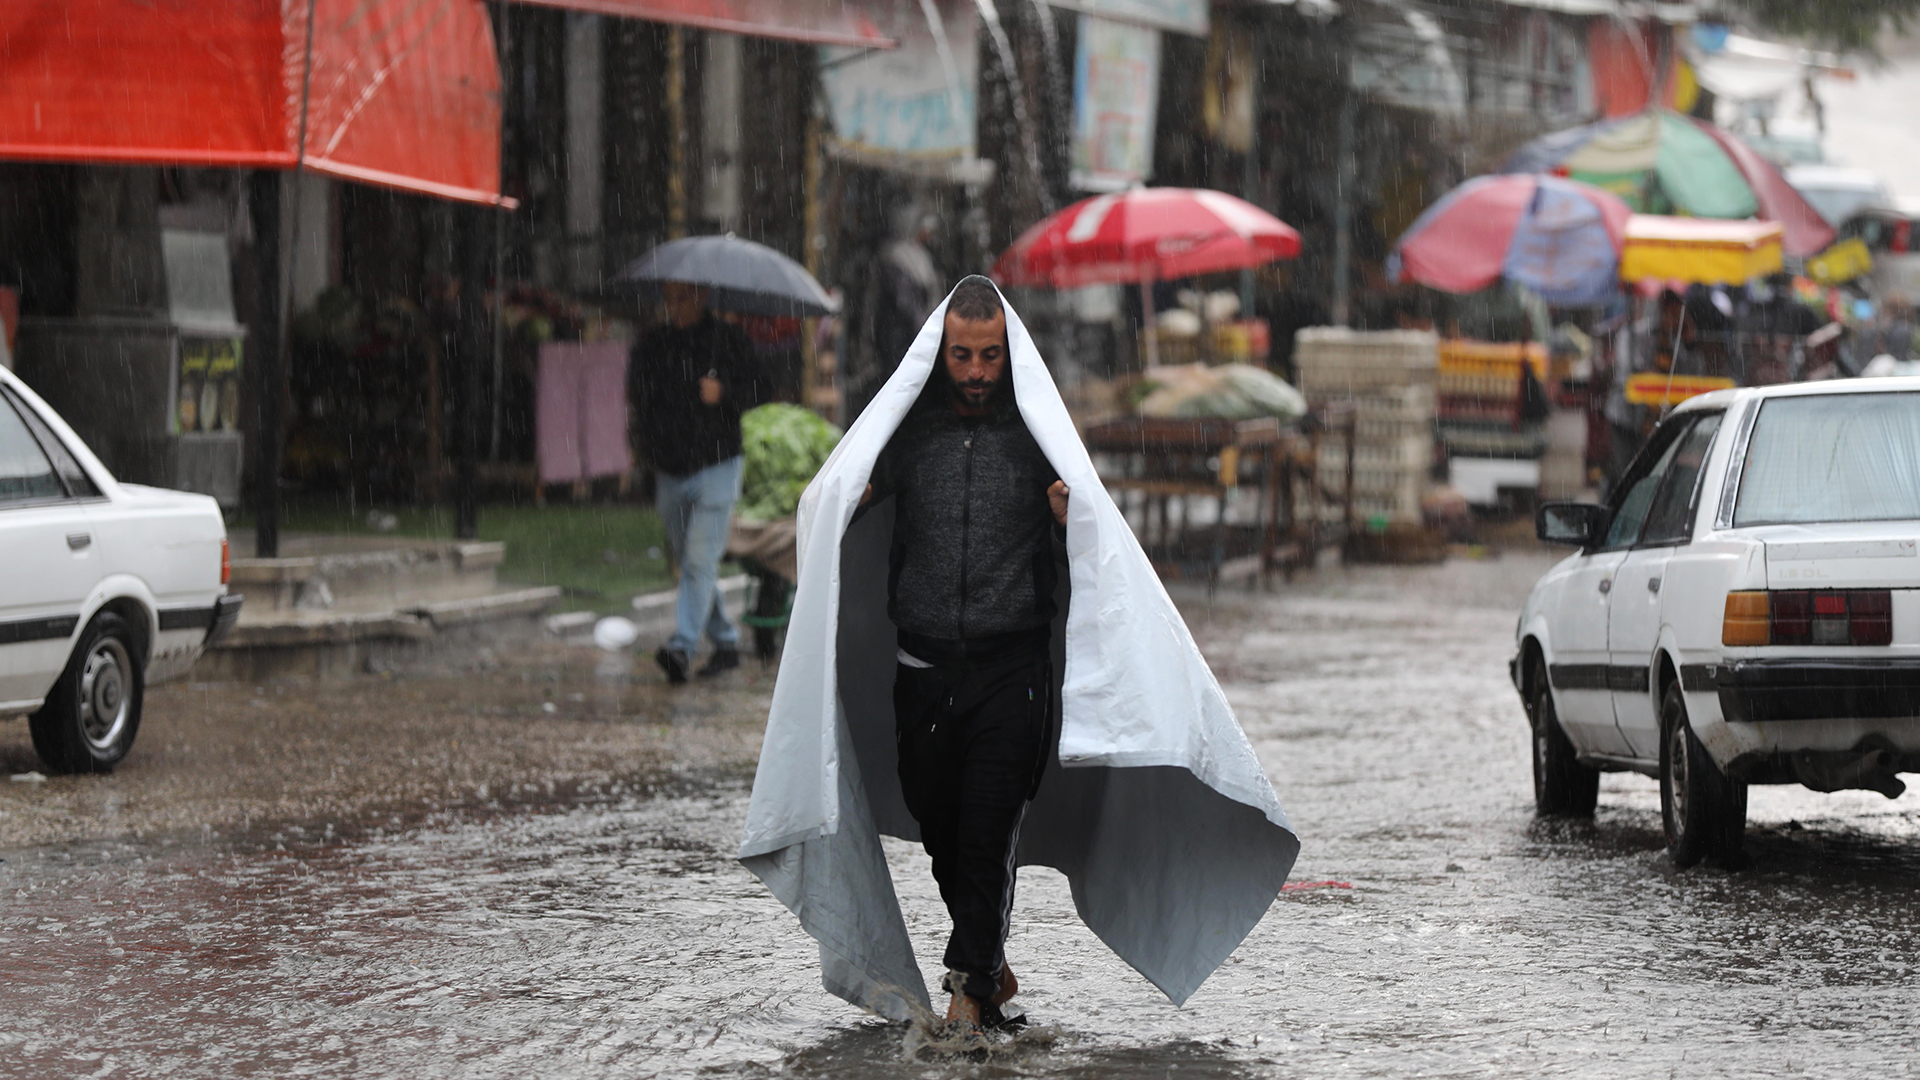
x=106, y=588
x=1744, y=610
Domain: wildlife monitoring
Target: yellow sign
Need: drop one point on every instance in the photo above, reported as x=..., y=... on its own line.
x=1653, y=388
x=207, y=386
x=1844, y=261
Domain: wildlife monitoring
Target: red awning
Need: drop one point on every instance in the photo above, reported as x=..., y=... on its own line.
x=823, y=22
x=404, y=93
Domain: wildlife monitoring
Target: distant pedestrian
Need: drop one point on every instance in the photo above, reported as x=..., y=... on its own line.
x=902, y=291
x=689, y=380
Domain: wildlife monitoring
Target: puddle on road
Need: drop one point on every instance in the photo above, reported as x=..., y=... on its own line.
x=607, y=931
x=622, y=939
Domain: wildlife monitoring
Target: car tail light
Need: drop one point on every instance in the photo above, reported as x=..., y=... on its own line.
x=1808, y=617
x=226, y=562
x=1746, y=619
x=1829, y=625
x=1792, y=618
x=1871, y=612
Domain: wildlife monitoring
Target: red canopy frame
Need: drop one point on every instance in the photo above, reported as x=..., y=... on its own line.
x=400, y=93
x=821, y=22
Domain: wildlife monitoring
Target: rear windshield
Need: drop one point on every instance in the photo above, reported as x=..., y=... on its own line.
x=1835, y=457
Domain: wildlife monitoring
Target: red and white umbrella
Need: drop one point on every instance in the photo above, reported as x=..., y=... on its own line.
x=1145, y=235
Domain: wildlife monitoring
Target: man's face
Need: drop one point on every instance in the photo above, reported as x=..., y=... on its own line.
x=685, y=303
x=976, y=358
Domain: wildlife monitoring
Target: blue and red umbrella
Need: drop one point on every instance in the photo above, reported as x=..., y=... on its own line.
x=1560, y=238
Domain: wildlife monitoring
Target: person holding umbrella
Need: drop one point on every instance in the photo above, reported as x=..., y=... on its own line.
x=689, y=380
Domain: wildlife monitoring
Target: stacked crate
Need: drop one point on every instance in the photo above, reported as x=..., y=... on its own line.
x=1388, y=377
x=1480, y=399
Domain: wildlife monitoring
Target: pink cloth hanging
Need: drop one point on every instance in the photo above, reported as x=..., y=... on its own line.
x=580, y=415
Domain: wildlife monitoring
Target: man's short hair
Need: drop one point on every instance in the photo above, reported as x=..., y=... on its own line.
x=975, y=300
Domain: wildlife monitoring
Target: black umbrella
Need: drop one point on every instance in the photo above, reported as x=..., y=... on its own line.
x=739, y=275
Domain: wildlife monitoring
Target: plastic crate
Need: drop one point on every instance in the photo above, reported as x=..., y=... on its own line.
x=1332, y=362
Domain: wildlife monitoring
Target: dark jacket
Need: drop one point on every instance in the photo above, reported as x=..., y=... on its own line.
x=973, y=536
x=678, y=434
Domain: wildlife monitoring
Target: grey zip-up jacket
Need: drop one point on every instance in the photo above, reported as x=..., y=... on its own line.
x=973, y=536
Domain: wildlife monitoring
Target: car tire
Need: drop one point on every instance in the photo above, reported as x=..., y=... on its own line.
x=88, y=721
x=1703, y=810
x=1562, y=786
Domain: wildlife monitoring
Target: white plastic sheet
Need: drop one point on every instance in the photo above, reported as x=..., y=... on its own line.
x=1162, y=819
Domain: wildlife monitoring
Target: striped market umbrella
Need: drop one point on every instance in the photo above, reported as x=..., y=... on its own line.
x=1145, y=235
x=1661, y=162
x=1560, y=238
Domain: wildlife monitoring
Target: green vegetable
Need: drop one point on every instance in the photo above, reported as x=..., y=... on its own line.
x=784, y=446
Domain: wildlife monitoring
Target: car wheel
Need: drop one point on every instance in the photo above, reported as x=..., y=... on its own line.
x=89, y=719
x=1562, y=786
x=1704, y=811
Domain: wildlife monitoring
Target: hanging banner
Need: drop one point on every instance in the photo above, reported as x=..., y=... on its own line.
x=1116, y=83
x=914, y=103
x=1180, y=16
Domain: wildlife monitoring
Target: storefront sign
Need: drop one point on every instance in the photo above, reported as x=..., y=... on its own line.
x=1655, y=388
x=207, y=385
x=916, y=102
x=1180, y=16
x=1116, y=82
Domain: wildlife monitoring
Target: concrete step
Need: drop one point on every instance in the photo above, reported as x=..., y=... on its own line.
x=305, y=643
x=365, y=574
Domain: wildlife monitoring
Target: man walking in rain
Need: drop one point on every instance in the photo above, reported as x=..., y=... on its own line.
x=689, y=380
x=977, y=547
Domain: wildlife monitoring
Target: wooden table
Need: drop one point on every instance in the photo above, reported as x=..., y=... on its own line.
x=1150, y=462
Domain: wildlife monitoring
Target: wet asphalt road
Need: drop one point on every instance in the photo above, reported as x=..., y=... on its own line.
x=524, y=867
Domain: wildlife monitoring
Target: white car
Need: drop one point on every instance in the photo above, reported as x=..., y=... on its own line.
x=105, y=587
x=1745, y=610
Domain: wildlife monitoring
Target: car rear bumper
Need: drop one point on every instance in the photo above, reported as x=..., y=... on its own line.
x=1753, y=691
x=226, y=612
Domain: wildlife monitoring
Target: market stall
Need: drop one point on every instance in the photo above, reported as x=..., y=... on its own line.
x=1203, y=434
x=1154, y=466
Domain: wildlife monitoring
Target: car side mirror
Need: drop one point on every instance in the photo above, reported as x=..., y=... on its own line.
x=1580, y=524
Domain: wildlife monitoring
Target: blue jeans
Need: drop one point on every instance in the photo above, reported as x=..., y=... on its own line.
x=697, y=511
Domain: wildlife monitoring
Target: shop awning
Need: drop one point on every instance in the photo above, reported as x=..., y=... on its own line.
x=403, y=93
x=823, y=22
x=1699, y=250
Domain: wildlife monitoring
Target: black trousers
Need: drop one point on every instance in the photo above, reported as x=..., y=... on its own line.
x=974, y=735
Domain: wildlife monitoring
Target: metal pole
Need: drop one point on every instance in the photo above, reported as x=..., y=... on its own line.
x=263, y=202
x=472, y=338
x=676, y=133
x=1343, y=210
x=1149, y=339
x=500, y=263
x=273, y=374
x=1250, y=168
x=812, y=244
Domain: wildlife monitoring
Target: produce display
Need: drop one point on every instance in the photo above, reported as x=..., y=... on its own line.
x=1230, y=391
x=784, y=445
